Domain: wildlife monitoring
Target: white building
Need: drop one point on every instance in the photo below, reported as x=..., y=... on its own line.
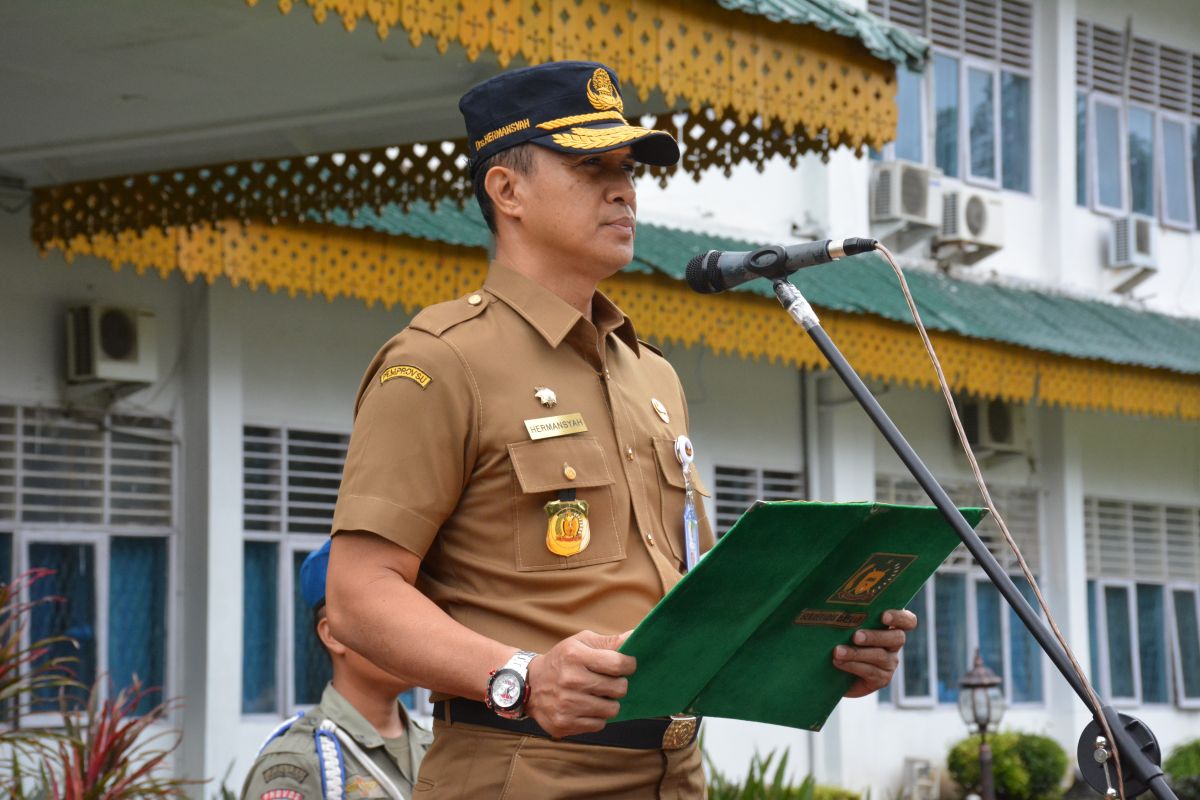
x=181, y=512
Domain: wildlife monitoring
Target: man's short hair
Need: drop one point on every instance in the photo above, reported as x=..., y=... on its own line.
x=518, y=158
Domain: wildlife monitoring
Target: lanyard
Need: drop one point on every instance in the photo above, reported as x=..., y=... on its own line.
x=691, y=525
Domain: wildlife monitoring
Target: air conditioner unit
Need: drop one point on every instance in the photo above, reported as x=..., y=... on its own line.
x=993, y=427
x=111, y=343
x=973, y=220
x=1132, y=252
x=905, y=192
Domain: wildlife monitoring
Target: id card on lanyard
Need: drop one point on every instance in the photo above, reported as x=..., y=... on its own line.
x=691, y=524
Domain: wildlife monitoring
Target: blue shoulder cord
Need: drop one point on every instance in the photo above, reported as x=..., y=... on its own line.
x=330, y=741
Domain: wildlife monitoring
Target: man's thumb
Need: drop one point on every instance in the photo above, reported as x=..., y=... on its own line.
x=607, y=641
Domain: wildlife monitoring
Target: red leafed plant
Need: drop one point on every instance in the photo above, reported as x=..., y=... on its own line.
x=108, y=750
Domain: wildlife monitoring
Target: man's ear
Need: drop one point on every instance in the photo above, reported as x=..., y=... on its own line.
x=326, y=634
x=501, y=184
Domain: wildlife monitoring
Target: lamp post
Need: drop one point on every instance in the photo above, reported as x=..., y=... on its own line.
x=981, y=705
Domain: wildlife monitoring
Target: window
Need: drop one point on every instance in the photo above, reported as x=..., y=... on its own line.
x=1143, y=567
x=945, y=83
x=982, y=120
x=1138, y=153
x=1108, y=174
x=93, y=500
x=1177, y=208
x=738, y=488
x=978, y=84
x=291, y=480
x=910, y=128
x=1186, y=602
x=1141, y=160
x=1081, y=179
x=963, y=611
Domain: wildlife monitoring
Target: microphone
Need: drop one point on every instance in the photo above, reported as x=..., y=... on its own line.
x=716, y=271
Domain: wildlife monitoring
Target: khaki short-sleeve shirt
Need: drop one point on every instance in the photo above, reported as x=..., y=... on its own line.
x=442, y=462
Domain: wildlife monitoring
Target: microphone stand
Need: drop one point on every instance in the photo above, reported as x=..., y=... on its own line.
x=1135, y=742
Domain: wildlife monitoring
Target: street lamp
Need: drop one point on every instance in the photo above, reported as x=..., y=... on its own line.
x=981, y=705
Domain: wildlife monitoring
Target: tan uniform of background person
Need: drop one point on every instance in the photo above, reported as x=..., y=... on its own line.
x=332, y=751
x=446, y=461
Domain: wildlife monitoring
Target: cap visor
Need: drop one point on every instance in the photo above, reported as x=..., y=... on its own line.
x=649, y=146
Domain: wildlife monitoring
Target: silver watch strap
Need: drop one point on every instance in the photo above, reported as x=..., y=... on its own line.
x=520, y=662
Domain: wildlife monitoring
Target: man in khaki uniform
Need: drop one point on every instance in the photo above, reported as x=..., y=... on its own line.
x=357, y=743
x=512, y=503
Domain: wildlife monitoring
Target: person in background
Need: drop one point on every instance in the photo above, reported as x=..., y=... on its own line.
x=358, y=742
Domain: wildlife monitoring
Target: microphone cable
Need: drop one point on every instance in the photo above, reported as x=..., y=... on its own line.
x=1097, y=709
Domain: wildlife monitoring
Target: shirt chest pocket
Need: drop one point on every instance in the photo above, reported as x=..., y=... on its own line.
x=544, y=469
x=673, y=495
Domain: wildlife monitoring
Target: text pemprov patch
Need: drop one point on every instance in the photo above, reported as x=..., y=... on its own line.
x=405, y=371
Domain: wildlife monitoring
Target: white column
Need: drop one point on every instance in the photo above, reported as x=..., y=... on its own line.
x=211, y=558
x=1063, y=575
x=1054, y=135
x=844, y=470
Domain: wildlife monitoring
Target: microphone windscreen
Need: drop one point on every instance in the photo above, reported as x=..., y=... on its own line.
x=699, y=269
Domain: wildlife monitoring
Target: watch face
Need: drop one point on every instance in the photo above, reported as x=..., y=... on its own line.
x=506, y=689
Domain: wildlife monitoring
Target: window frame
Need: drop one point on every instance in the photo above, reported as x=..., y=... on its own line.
x=1135, y=656
x=293, y=544
x=1160, y=168
x=1155, y=148
x=1182, y=700
x=901, y=698
x=23, y=535
x=973, y=576
x=966, y=64
x=1100, y=98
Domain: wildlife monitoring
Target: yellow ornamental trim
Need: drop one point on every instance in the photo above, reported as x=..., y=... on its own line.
x=808, y=81
x=332, y=262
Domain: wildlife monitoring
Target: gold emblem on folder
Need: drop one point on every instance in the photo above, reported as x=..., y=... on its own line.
x=567, y=532
x=869, y=580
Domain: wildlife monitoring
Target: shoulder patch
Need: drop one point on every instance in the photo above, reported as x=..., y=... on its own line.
x=437, y=319
x=415, y=374
x=285, y=771
x=650, y=347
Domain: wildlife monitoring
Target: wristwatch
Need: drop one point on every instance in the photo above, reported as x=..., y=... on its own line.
x=508, y=688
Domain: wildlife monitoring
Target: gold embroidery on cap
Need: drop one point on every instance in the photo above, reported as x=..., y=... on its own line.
x=593, y=138
x=579, y=119
x=601, y=93
x=405, y=371
x=499, y=133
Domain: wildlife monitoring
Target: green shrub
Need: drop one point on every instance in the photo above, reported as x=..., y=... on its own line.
x=834, y=793
x=1024, y=766
x=764, y=783
x=1183, y=769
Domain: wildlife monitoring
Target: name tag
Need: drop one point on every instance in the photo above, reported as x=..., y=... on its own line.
x=549, y=427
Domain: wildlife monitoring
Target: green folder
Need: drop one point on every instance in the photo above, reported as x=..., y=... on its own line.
x=749, y=632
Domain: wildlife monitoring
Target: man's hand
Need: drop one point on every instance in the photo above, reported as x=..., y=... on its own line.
x=873, y=657
x=574, y=688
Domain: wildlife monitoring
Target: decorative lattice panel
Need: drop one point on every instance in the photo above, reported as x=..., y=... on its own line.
x=303, y=188
x=697, y=53
x=372, y=267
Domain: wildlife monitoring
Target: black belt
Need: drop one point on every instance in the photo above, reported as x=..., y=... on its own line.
x=659, y=733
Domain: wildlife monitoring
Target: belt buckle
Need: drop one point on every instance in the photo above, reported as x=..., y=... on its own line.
x=680, y=732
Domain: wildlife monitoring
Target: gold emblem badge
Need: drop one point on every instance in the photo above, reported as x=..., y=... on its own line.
x=869, y=580
x=680, y=732
x=602, y=94
x=545, y=396
x=660, y=409
x=568, y=532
